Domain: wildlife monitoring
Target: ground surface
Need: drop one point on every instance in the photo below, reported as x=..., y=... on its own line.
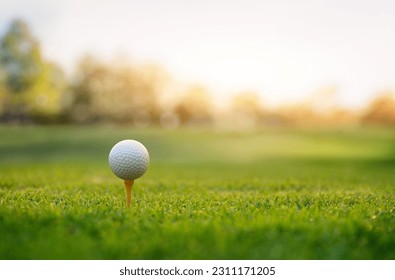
x=279, y=194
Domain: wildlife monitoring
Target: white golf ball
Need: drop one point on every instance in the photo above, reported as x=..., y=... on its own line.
x=128, y=159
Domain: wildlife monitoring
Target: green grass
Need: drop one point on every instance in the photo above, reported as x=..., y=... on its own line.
x=273, y=194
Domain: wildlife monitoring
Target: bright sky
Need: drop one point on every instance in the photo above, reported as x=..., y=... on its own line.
x=283, y=49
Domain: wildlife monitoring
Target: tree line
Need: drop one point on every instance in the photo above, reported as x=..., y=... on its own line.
x=36, y=90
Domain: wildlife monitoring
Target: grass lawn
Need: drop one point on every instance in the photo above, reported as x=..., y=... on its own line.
x=273, y=194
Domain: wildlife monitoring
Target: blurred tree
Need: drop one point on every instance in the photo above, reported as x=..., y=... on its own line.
x=246, y=110
x=31, y=86
x=322, y=101
x=247, y=103
x=3, y=95
x=195, y=106
x=116, y=92
x=381, y=110
x=19, y=57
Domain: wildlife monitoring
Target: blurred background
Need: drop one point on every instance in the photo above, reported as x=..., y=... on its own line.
x=237, y=65
x=267, y=122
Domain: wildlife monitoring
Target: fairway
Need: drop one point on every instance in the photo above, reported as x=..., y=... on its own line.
x=272, y=194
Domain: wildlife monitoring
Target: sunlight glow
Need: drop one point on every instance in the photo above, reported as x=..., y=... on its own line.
x=284, y=50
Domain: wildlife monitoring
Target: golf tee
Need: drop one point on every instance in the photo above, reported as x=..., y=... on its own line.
x=128, y=187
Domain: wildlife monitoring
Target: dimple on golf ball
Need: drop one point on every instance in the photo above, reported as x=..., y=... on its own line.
x=128, y=159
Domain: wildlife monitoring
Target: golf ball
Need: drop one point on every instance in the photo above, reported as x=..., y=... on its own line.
x=128, y=159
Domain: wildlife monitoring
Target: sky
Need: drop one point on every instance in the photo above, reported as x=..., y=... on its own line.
x=285, y=50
